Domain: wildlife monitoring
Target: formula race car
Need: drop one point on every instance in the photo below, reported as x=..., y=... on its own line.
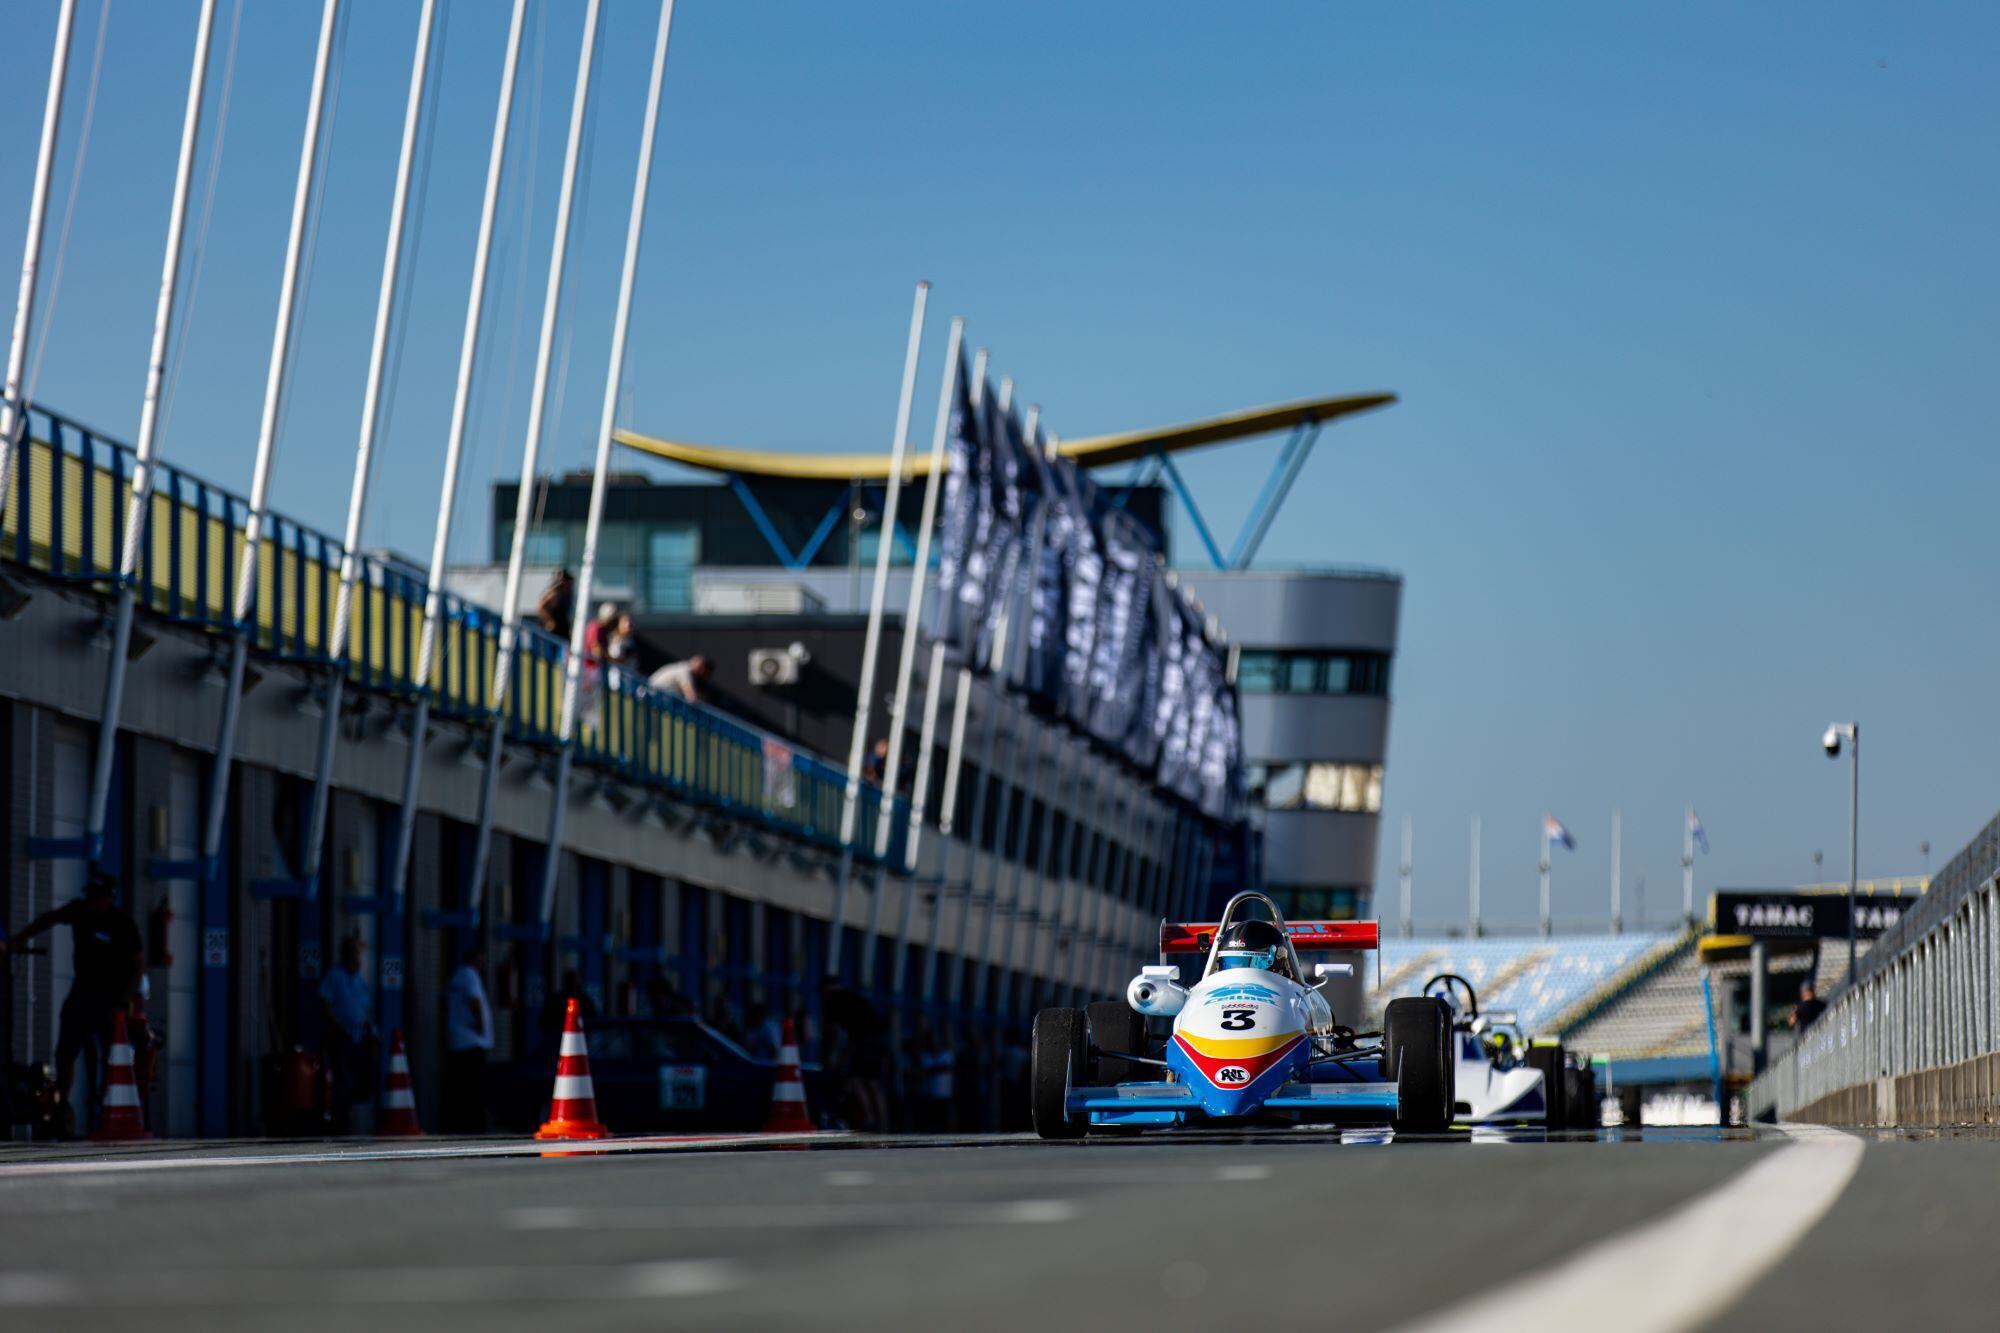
x=1250, y=1042
x=1504, y=1078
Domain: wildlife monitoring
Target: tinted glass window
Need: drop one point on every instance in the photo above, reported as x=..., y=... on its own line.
x=1355, y=672
x=1257, y=673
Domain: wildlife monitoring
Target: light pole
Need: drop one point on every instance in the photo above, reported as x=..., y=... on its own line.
x=1851, y=733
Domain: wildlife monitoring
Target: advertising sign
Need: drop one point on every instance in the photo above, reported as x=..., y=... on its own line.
x=1785, y=915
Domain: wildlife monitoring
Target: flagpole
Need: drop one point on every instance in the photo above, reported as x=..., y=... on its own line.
x=267, y=442
x=976, y=397
x=140, y=507
x=454, y=451
x=871, y=642
x=1477, y=931
x=1017, y=744
x=1687, y=867
x=14, y=412
x=1042, y=913
x=509, y=637
x=350, y=564
x=989, y=740
x=594, y=522
x=947, y=817
x=1037, y=530
x=1617, y=907
x=892, y=763
x=1545, y=876
x=1403, y=872
x=920, y=786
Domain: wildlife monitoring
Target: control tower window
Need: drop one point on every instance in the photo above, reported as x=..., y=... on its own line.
x=1264, y=671
x=1318, y=786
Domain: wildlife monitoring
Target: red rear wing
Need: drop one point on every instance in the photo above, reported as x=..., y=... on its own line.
x=1195, y=937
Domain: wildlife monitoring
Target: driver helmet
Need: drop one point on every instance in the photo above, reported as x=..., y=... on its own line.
x=1250, y=944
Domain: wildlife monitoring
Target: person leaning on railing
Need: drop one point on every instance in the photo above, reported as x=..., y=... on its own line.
x=687, y=679
x=555, y=610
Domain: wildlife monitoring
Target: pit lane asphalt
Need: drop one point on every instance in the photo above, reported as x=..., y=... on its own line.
x=1272, y=1230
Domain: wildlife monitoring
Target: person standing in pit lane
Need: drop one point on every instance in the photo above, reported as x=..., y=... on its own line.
x=863, y=1055
x=352, y=1050
x=108, y=961
x=469, y=1036
x=936, y=1062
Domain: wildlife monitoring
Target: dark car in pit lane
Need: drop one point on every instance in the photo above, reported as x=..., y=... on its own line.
x=655, y=1075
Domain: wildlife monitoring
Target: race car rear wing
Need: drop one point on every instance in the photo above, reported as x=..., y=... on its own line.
x=1307, y=936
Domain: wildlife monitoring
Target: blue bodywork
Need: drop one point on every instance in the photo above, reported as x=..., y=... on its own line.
x=1178, y=1103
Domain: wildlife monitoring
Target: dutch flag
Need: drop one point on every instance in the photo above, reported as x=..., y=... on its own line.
x=1557, y=835
x=1696, y=832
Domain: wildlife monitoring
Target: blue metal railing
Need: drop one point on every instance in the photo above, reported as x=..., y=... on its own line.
x=66, y=518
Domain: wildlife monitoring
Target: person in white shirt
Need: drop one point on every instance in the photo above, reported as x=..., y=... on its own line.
x=687, y=679
x=468, y=1036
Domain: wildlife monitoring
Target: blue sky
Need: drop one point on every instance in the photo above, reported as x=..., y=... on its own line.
x=1692, y=310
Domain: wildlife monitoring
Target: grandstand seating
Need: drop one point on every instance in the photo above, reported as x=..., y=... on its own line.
x=1659, y=1016
x=1538, y=978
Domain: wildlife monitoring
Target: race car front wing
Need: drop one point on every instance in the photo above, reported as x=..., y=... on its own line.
x=1162, y=1103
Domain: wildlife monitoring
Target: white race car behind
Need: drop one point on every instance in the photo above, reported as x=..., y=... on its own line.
x=1502, y=1077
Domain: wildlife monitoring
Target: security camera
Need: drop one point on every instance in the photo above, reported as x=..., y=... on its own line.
x=1832, y=742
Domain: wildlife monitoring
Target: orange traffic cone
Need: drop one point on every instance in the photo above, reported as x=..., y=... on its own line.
x=399, y=1100
x=121, y=1118
x=573, y=1107
x=788, y=1093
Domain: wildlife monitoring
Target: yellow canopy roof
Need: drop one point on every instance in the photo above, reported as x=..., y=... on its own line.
x=1099, y=451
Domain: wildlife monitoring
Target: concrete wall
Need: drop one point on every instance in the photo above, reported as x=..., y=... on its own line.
x=1965, y=1093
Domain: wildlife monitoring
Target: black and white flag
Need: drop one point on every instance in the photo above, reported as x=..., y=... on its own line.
x=1117, y=668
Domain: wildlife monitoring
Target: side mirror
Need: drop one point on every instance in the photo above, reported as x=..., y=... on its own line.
x=1325, y=972
x=1157, y=992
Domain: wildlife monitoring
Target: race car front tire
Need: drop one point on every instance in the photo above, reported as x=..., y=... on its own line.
x=1057, y=1061
x=1116, y=1029
x=1416, y=1056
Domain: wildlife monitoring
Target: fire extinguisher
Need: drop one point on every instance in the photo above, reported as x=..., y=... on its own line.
x=159, y=930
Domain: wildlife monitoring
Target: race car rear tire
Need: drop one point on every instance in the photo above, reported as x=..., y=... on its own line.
x=1057, y=1061
x=1116, y=1029
x=1416, y=1056
x=1584, y=1110
x=1549, y=1060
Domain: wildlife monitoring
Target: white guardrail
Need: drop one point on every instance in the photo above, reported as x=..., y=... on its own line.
x=1925, y=998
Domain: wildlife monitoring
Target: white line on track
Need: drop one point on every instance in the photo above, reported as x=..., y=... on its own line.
x=569, y=1284
x=1681, y=1270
